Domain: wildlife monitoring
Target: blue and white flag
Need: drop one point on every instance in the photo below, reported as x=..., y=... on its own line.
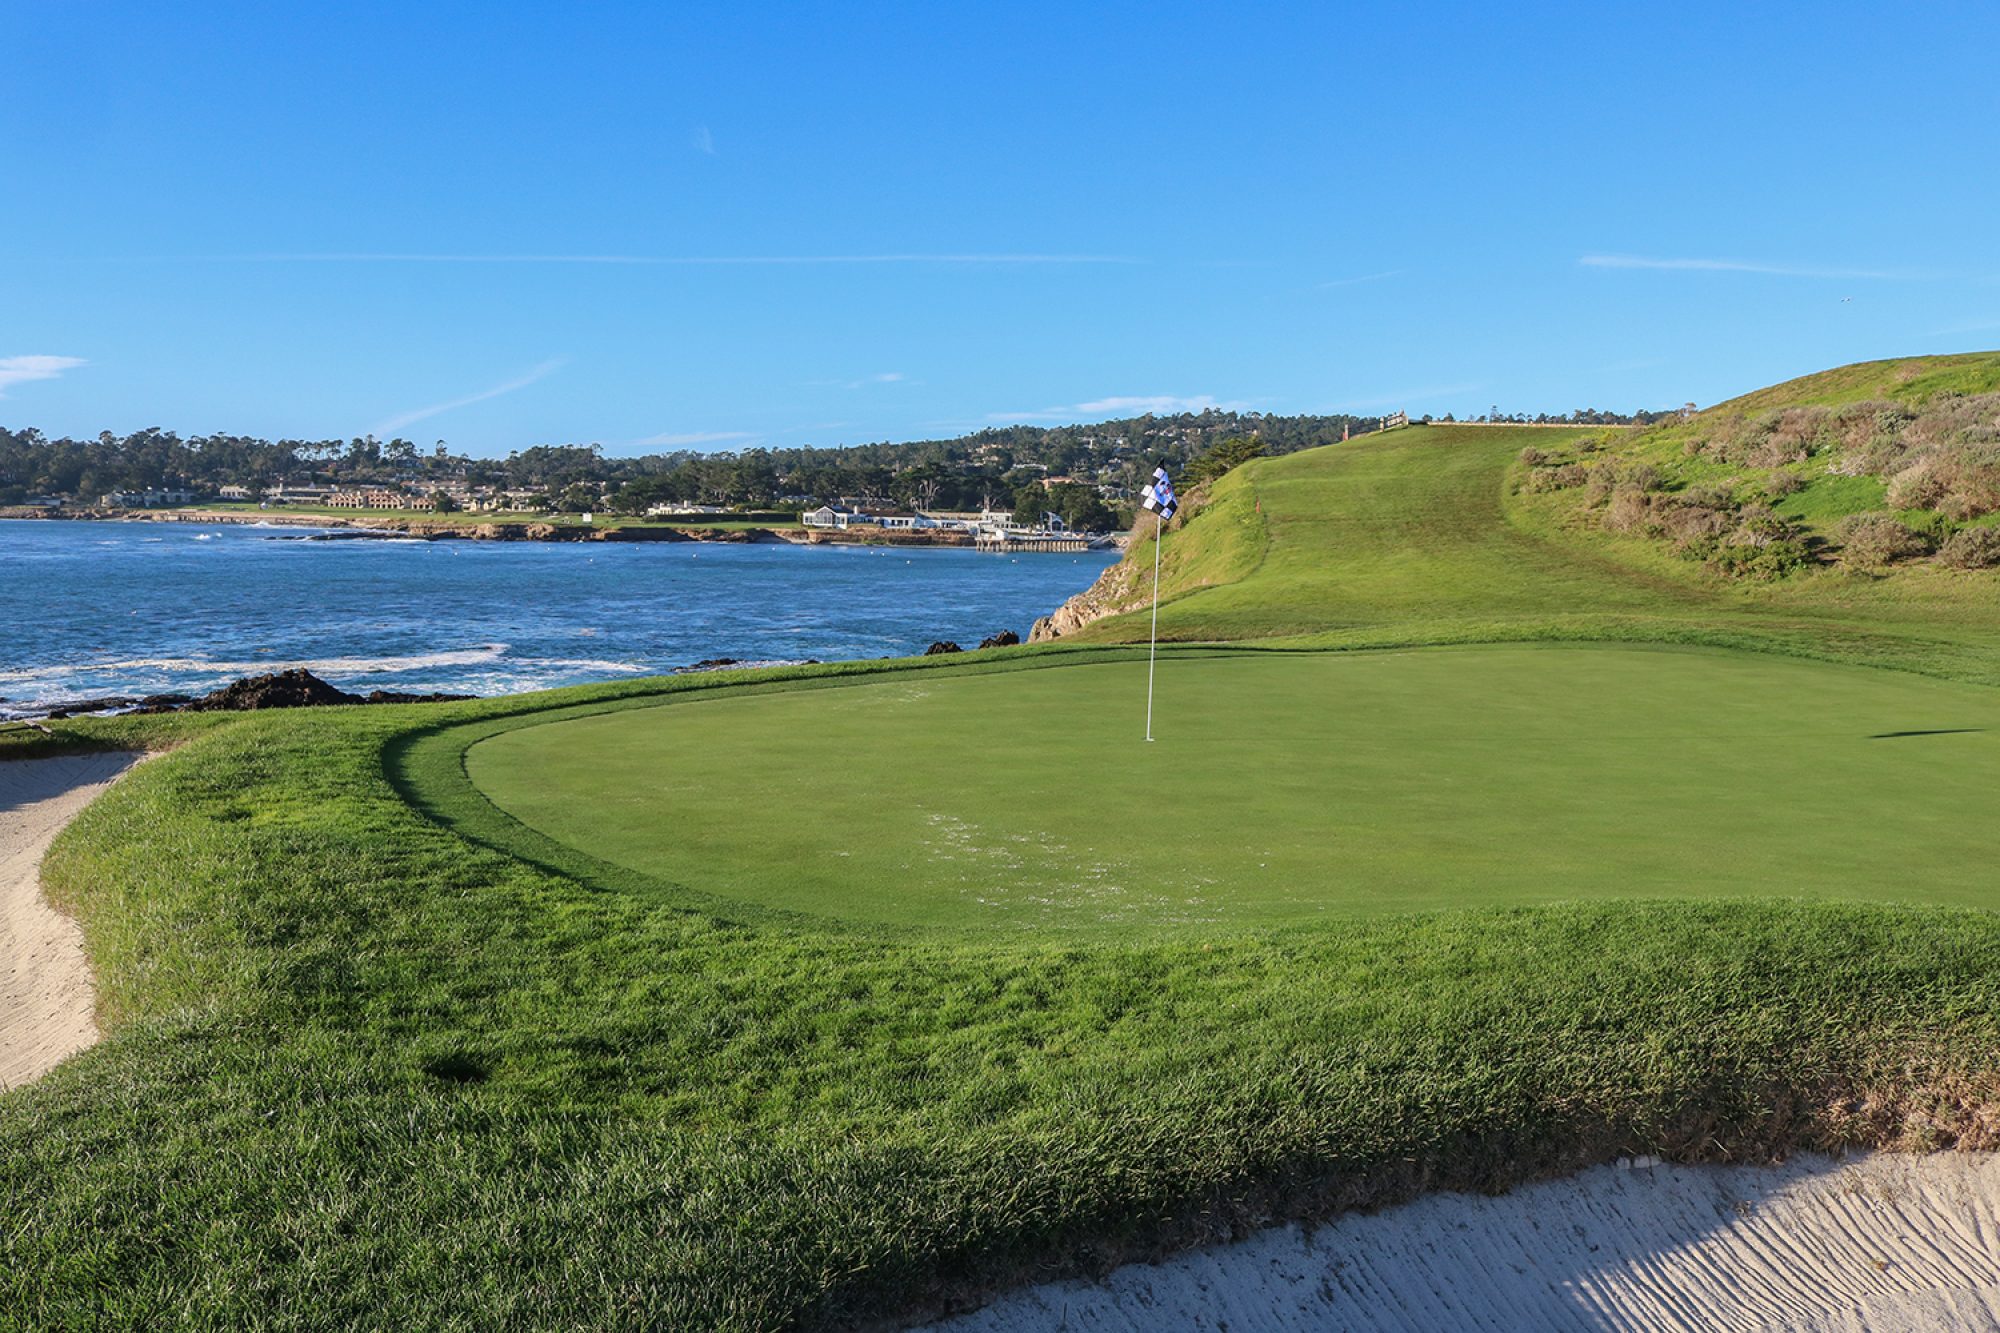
x=1159, y=497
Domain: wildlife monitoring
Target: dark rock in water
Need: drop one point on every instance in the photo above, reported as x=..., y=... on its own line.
x=398, y=697
x=296, y=688
x=299, y=688
x=163, y=703
x=1006, y=638
x=942, y=646
x=76, y=707
x=713, y=664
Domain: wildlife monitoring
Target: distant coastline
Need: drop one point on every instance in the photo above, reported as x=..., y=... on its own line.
x=535, y=528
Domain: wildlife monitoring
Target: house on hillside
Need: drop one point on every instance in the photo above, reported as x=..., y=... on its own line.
x=236, y=494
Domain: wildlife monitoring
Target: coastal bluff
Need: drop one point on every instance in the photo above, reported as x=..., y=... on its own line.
x=1117, y=590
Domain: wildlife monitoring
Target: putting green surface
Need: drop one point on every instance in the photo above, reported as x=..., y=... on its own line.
x=1283, y=787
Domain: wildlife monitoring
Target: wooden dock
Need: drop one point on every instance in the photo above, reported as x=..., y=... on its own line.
x=1032, y=541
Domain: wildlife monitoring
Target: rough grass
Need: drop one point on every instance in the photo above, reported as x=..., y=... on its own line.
x=1814, y=481
x=365, y=1070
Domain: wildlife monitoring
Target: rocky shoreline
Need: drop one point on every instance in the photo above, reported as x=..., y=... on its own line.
x=292, y=688
x=1117, y=590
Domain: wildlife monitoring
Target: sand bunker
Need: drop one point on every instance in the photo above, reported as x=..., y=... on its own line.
x=45, y=991
x=1867, y=1243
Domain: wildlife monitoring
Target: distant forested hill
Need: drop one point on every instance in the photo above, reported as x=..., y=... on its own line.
x=995, y=466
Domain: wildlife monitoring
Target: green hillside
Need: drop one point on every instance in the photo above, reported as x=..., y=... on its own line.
x=1888, y=469
x=1480, y=841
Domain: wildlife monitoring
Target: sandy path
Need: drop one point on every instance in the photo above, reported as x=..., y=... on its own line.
x=1875, y=1242
x=45, y=990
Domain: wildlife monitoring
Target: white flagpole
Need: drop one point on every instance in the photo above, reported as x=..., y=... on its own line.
x=1153, y=653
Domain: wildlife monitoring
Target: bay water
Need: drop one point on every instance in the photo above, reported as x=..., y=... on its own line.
x=133, y=608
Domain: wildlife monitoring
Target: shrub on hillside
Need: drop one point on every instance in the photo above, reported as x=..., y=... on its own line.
x=1690, y=525
x=1758, y=525
x=1533, y=457
x=1771, y=560
x=1922, y=485
x=1629, y=512
x=1945, y=457
x=1563, y=476
x=1603, y=480
x=1871, y=429
x=1644, y=477
x=1874, y=540
x=1782, y=483
x=1708, y=497
x=1971, y=548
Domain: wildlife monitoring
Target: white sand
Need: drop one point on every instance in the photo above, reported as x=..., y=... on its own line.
x=1875, y=1242
x=45, y=990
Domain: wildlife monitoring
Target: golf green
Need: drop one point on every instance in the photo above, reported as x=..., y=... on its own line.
x=1284, y=787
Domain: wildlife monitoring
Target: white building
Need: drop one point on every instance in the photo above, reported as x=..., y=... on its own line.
x=829, y=516
x=147, y=499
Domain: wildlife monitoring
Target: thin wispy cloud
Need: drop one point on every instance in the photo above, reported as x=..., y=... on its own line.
x=689, y=438
x=1136, y=405
x=687, y=261
x=26, y=369
x=703, y=141
x=886, y=377
x=1737, y=266
x=1365, y=277
x=403, y=419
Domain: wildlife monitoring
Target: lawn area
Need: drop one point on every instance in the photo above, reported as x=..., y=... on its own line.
x=1473, y=849
x=1284, y=788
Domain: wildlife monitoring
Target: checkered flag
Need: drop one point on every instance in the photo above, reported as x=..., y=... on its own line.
x=1159, y=497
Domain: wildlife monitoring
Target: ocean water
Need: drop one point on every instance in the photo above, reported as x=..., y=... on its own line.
x=91, y=609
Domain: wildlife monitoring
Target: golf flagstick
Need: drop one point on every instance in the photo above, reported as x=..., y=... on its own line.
x=1158, y=500
x=1153, y=652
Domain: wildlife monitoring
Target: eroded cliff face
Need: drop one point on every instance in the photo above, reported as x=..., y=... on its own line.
x=1118, y=589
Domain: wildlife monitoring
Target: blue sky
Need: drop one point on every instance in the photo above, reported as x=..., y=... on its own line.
x=659, y=225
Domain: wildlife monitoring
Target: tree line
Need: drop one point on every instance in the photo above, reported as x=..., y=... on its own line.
x=1087, y=468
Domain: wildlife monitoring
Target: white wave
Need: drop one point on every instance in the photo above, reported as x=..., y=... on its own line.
x=324, y=666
